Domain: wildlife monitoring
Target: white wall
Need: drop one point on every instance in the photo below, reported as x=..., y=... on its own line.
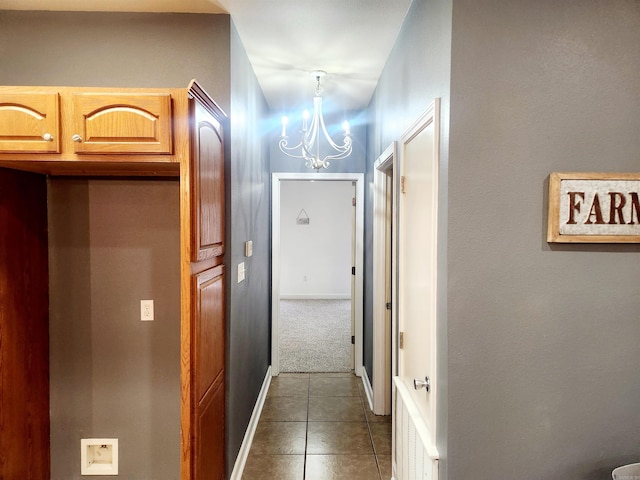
x=316, y=258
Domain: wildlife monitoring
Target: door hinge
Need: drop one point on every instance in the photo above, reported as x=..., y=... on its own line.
x=403, y=181
x=353, y=202
x=401, y=340
x=353, y=270
x=388, y=305
x=353, y=340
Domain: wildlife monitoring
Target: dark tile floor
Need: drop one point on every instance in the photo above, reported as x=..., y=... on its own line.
x=319, y=427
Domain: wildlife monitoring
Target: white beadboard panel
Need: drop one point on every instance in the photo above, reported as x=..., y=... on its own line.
x=415, y=455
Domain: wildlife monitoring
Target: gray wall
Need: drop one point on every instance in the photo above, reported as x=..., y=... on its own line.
x=247, y=206
x=538, y=342
x=543, y=339
x=416, y=72
x=113, y=243
x=116, y=50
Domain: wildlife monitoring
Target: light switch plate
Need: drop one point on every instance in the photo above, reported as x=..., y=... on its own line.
x=248, y=248
x=240, y=272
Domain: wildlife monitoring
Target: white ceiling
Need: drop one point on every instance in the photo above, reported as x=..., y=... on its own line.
x=285, y=40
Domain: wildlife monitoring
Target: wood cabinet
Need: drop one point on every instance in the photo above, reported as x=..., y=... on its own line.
x=140, y=132
x=208, y=374
x=65, y=130
x=121, y=123
x=207, y=181
x=30, y=122
x=93, y=123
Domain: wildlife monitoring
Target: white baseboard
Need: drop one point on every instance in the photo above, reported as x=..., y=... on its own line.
x=243, y=454
x=367, y=387
x=316, y=297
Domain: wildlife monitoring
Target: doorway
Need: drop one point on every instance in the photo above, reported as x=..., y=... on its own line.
x=384, y=277
x=299, y=220
x=416, y=383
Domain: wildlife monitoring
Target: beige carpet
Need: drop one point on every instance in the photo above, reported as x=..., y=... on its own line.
x=315, y=335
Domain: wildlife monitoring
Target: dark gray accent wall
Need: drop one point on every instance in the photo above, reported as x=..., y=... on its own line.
x=417, y=71
x=247, y=206
x=543, y=339
x=113, y=243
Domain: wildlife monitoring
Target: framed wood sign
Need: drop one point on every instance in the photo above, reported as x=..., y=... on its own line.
x=594, y=208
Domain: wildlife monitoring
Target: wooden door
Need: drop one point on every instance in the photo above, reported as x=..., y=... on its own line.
x=30, y=123
x=206, y=219
x=207, y=174
x=126, y=123
x=417, y=258
x=208, y=374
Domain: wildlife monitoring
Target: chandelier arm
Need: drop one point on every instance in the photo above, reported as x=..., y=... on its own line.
x=286, y=149
x=338, y=156
x=309, y=146
x=328, y=137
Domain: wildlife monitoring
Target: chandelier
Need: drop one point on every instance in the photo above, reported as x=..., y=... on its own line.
x=308, y=148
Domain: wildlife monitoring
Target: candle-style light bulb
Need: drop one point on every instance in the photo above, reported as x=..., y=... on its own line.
x=305, y=117
x=347, y=130
x=285, y=120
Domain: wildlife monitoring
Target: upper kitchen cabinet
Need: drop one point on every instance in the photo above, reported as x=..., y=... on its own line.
x=78, y=130
x=207, y=157
x=122, y=123
x=30, y=122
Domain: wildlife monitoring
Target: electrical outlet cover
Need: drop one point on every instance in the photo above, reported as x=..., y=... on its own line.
x=146, y=310
x=99, y=456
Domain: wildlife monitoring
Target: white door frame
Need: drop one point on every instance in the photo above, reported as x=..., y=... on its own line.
x=382, y=365
x=357, y=299
x=425, y=427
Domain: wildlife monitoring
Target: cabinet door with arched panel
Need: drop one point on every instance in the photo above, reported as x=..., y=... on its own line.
x=29, y=122
x=207, y=181
x=122, y=123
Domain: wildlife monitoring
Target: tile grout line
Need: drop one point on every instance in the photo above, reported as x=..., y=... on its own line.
x=373, y=445
x=306, y=436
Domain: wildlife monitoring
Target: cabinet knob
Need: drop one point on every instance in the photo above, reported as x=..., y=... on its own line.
x=47, y=137
x=76, y=138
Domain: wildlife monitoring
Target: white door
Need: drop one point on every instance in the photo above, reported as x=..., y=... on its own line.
x=417, y=265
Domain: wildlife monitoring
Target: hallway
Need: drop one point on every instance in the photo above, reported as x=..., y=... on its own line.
x=318, y=427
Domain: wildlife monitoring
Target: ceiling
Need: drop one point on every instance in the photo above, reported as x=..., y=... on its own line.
x=286, y=40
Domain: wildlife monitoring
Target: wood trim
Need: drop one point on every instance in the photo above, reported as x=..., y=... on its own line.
x=195, y=90
x=98, y=169
x=181, y=126
x=24, y=327
x=553, y=219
